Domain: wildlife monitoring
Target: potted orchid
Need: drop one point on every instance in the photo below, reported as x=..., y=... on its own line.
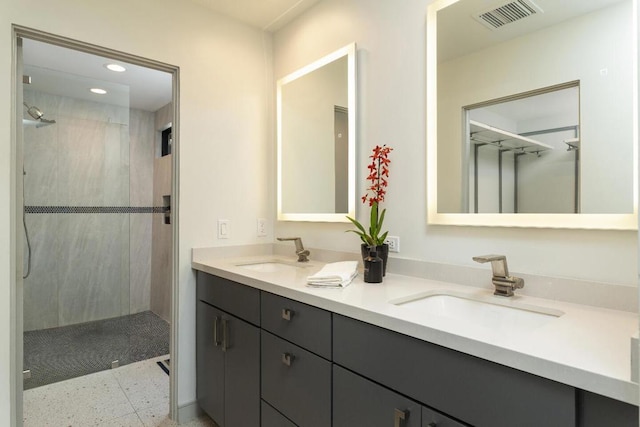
x=378, y=177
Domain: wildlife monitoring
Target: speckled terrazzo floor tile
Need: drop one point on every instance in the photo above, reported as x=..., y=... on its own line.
x=129, y=420
x=156, y=416
x=203, y=421
x=79, y=402
x=145, y=384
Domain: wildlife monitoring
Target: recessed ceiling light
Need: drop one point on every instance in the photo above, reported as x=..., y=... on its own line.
x=115, y=67
x=98, y=91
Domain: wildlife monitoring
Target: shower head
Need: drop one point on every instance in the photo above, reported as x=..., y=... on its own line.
x=38, y=115
x=34, y=111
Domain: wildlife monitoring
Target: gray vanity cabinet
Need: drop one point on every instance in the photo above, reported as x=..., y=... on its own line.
x=597, y=411
x=265, y=360
x=360, y=402
x=431, y=418
x=210, y=362
x=273, y=418
x=296, y=365
x=473, y=390
x=227, y=354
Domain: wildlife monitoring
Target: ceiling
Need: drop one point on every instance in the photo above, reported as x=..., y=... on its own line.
x=65, y=72
x=269, y=15
x=460, y=34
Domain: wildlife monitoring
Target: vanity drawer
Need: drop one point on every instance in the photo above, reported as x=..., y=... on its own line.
x=273, y=418
x=296, y=382
x=240, y=300
x=473, y=390
x=360, y=402
x=302, y=324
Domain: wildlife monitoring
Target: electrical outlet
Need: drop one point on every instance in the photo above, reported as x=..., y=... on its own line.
x=224, y=229
x=261, y=227
x=393, y=242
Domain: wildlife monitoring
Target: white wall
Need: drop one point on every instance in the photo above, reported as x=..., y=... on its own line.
x=225, y=130
x=391, y=84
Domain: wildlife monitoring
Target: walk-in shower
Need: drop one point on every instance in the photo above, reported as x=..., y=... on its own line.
x=91, y=218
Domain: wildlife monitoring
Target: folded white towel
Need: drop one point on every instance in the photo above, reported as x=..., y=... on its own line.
x=334, y=275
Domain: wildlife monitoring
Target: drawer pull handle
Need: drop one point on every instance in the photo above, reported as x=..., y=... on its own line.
x=288, y=358
x=287, y=314
x=225, y=334
x=400, y=417
x=216, y=331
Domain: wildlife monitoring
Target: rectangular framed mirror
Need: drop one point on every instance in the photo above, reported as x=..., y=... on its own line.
x=316, y=128
x=532, y=113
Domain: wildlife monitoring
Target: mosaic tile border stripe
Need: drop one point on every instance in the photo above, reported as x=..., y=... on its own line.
x=94, y=209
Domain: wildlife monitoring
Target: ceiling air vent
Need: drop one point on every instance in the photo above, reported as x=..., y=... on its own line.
x=507, y=13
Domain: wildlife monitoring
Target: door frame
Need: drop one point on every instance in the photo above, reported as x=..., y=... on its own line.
x=17, y=202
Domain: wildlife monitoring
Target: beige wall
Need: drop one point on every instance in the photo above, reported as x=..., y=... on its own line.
x=225, y=99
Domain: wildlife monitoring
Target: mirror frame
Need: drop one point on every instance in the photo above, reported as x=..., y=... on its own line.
x=624, y=221
x=350, y=52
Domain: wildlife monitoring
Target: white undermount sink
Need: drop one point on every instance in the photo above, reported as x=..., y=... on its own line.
x=489, y=311
x=269, y=266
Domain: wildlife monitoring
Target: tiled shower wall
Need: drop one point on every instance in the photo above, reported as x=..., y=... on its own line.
x=161, y=241
x=87, y=266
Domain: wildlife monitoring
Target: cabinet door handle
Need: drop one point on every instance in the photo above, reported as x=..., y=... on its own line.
x=225, y=334
x=399, y=417
x=287, y=314
x=288, y=358
x=216, y=331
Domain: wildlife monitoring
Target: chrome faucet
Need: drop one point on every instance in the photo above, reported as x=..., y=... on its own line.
x=300, y=250
x=504, y=283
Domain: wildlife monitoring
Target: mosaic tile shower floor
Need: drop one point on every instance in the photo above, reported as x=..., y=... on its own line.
x=58, y=354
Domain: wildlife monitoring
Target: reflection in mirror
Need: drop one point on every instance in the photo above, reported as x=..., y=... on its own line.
x=478, y=59
x=521, y=146
x=316, y=140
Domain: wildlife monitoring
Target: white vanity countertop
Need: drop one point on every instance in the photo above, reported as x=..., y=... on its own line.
x=587, y=347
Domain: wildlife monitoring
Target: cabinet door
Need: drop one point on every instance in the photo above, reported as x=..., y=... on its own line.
x=360, y=402
x=296, y=382
x=241, y=346
x=209, y=362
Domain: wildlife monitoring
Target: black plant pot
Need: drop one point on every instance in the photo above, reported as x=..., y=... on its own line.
x=383, y=253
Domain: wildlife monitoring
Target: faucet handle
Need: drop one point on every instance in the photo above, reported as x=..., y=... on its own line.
x=300, y=250
x=498, y=264
x=503, y=283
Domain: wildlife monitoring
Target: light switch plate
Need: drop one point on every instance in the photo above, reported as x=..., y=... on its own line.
x=261, y=227
x=224, y=229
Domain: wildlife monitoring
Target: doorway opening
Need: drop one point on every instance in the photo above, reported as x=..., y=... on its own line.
x=97, y=290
